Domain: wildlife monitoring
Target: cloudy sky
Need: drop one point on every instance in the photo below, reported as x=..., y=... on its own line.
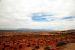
x=37, y=14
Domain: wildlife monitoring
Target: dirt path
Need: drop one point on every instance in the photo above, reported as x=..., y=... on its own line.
x=70, y=46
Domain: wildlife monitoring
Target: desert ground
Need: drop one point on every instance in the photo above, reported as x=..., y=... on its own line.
x=64, y=40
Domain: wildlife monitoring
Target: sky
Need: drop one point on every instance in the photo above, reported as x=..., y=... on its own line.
x=37, y=14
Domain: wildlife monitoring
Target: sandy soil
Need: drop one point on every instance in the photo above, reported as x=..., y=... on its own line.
x=70, y=46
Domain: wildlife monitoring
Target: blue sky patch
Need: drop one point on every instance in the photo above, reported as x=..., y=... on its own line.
x=42, y=17
x=68, y=17
x=39, y=18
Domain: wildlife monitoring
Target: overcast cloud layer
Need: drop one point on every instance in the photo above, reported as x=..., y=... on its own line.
x=37, y=14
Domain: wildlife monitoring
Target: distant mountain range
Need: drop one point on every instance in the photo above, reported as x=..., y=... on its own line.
x=34, y=30
x=26, y=30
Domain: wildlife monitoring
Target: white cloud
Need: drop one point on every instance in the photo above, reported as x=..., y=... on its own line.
x=17, y=13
